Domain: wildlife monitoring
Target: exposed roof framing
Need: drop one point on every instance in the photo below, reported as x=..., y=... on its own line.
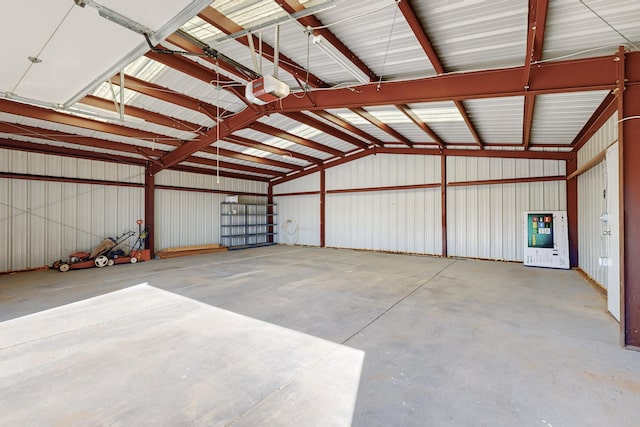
x=423, y=38
x=462, y=86
x=535, y=41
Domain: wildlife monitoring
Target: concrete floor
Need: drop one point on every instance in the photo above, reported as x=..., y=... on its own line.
x=306, y=336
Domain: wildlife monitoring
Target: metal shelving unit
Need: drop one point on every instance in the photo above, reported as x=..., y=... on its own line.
x=247, y=225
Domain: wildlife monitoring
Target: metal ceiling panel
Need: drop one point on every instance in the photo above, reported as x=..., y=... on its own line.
x=476, y=34
x=296, y=128
x=281, y=143
x=445, y=120
x=557, y=118
x=54, y=143
x=378, y=34
x=45, y=125
x=295, y=161
x=574, y=31
x=362, y=124
x=498, y=120
x=398, y=121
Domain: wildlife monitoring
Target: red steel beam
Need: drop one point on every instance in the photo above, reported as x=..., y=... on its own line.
x=552, y=77
x=222, y=173
x=293, y=6
x=538, y=10
x=149, y=116
x=235, y=166
x=508, y=181
x=246, y=142
x=443, y=203
x=188, y=46
x=253, y=159
x=605, y=110
x=382, y=126
x=48, y=115
x=227, y=26
x=328, y=129
x=270, y=130
x=348, y=126
x=406, y=110
x=52, y=135
x=165, y=94
x=465, y=116
x=629, y=155
x=527, y=121
x=230, y=125
x=200, y=72
x=421, y=34
x=33, y=147
x=387, y=188
x=323, y=206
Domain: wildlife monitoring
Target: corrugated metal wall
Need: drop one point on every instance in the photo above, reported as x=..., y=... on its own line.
x=184, y=218
x=299, y=216
x=485, y=221
x=394, y=220
x=592, y=244
x=43, y=221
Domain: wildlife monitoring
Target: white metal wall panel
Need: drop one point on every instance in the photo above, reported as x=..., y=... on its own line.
x=43, y=221
x=395, y=220
x=558, y=117
x=605, y=136
x=384, y=170
x=185, y=218
x=303, y=215
x=591, y=203
x=193, y=180
x=306, y=183
x=485, y=221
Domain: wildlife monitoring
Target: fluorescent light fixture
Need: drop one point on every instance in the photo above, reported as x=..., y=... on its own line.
x=332, y=52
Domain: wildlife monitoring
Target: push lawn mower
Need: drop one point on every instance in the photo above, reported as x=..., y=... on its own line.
x=108, y=252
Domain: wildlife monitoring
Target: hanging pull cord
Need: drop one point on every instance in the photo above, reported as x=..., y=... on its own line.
x=386, y=53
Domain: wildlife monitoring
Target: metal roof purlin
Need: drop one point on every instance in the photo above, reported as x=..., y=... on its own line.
x=147, y=115
x=246, y=142
x=382, y=126
x=270, y=130
x=421, y=34
x=348, y=126
x=589, y=74
x=293, y=6
x=165, y=94
x=330, y=130
x=199, y=72
x=422, y=125
x=538, y=10
x=606, y=108
x=227, y=26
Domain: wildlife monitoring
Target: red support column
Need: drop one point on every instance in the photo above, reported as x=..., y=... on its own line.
x=572, y=211
x=149, y=211
x=629, y=140
x=323, y=193
x=443, y=195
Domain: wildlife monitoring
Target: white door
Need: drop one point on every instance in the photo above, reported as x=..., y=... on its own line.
x=613, y=208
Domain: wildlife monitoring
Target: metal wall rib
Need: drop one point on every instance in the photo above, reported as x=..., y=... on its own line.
x=592, y=187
